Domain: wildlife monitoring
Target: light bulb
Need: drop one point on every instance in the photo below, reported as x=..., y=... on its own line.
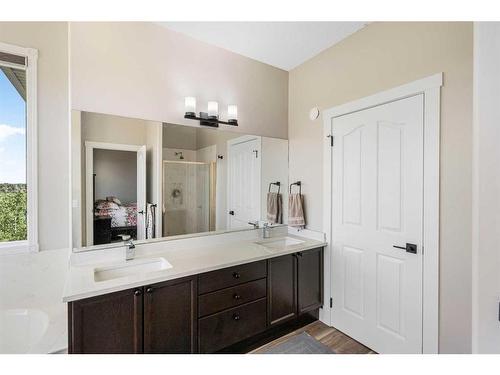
x=232, y=112
x=213, y=109
x=190, y=105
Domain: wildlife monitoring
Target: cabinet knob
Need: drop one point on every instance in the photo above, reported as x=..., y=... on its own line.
x=149, y=289
x=236, y=296
x=236, y=317
x=236, y=275
x=137, y=292
x=299, y=254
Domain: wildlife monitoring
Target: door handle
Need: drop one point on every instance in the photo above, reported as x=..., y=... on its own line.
x=231, y=212
x=410, y=248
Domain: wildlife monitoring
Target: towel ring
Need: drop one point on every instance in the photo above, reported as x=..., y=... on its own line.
x=277, y=183
x=299, y=184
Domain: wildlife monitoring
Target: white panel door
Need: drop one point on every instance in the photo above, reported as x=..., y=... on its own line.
x=377, y=192
x=141, y=193
x=244, y=177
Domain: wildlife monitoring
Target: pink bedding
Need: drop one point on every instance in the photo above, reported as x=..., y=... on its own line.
x=121, y=215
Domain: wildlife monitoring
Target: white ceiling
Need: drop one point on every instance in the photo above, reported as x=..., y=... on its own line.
x=282, y=44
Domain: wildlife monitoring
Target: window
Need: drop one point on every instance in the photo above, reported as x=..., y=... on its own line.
x=18, y=182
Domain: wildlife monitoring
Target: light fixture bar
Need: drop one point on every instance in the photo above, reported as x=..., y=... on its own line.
x=210, y=118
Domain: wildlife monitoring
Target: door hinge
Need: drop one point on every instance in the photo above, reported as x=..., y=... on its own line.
x=331, y=139
x=331, y=302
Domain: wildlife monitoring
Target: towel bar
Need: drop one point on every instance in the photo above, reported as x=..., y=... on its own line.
x=277, y=183
x=299, y=184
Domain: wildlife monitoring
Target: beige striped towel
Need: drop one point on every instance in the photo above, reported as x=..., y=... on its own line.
x=296, y=211
x=274, y=208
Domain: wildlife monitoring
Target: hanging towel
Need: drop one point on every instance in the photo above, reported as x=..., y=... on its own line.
x=274, y=208
x=296, y=210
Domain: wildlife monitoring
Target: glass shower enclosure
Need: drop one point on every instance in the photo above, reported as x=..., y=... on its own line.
x=188, y=197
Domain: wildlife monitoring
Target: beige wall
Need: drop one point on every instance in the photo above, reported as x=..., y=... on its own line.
x=179, y=136
x=77, y=165
x=51, y=40
x=486, y=327
x=116, y=175
x=98, y=127
x=379, y=57
x=144, y=70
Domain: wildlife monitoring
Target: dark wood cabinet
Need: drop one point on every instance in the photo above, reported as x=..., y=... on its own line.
x=161, y=318
x=230, y=276
x=309, y=280
x=226, y=310
x=282, y=289
x=171, y=317
x=102, y=230
x=219, y=300
x=107, y=324
x=228, y=327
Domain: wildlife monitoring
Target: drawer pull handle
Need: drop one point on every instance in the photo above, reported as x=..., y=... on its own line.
x=236, y=275
x=236, y=317
x=137, y=292
x=236, y=296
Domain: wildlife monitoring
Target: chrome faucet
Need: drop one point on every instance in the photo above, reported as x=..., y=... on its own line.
x=129, y=247
x=266, y=231
x=255, y=224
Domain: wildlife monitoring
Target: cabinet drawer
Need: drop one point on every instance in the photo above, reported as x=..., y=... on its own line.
x=231, y=276
x=231, y=326
x=211, y=303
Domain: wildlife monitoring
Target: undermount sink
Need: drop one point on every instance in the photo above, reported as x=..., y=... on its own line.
x=280, y=243
x=131, y=267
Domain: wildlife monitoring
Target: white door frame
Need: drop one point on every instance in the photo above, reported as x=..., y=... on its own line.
x=89, y=170
x=430, y=87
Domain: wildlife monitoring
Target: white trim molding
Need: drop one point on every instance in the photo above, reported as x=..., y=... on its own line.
x=430, y=87
x=31, y=243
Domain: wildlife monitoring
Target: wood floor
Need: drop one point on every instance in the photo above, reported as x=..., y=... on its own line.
x=336, y=340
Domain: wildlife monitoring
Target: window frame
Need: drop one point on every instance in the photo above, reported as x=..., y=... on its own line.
x=31, y=243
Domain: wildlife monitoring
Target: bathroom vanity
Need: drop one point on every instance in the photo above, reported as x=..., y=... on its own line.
x=250, y=293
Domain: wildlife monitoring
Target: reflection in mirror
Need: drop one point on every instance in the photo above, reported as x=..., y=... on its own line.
x=147, y=179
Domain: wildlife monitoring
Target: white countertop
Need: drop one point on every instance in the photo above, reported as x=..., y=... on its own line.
x=189, y=257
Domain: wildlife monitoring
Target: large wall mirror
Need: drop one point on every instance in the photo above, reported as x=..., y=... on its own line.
x=148, y=180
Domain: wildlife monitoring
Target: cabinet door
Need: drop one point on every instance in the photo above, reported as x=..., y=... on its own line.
x=310, y=279
x=107, y=324
x=170, y=316
x=282, y=289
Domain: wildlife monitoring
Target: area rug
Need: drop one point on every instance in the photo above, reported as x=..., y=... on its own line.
x=299, y=344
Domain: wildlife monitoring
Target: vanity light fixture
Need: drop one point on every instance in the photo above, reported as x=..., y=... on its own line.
x=211, y=117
